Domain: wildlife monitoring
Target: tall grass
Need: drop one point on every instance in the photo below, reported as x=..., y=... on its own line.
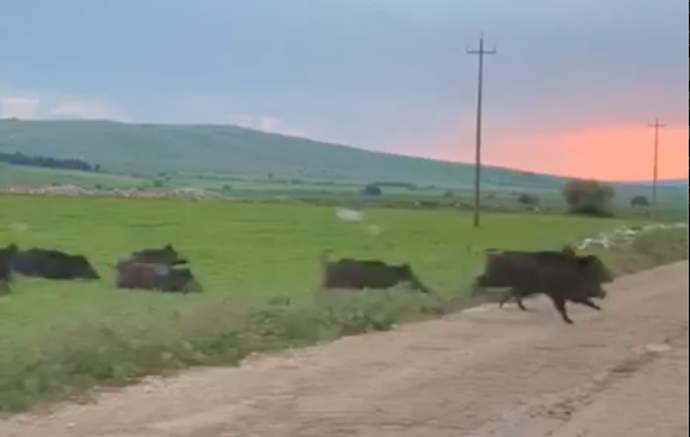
x=94, y=353
x=647, y=250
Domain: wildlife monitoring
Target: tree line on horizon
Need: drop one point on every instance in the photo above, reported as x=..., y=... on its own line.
x=23, y=159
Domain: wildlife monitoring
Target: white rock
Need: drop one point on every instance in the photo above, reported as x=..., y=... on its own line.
x=349, y=215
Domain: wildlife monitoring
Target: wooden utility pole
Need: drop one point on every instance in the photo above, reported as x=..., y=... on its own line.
x=656, y=125
x=478, y=152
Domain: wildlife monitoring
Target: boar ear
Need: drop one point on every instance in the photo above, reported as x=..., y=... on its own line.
x=584, y=262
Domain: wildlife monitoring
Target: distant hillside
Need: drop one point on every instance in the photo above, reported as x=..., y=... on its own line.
x=148, y=149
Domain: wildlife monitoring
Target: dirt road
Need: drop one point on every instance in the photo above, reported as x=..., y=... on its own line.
x=483, y=372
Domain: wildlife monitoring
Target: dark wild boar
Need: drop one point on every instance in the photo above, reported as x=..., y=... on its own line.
x=52, y=264
x=361, y=274
x=161, y=277
x=518, y=295
x=562, y=276
x=166, y=255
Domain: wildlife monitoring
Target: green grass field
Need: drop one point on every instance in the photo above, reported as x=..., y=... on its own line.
x=242, y=253
x=16, y=176
x=246, y=252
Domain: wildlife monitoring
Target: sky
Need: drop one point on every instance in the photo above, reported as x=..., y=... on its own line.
x=571, y=90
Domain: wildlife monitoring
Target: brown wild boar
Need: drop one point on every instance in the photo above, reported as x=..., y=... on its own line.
x=166, y=255
x=52, y=264
x=162, y=277
x=362, y=274
x=560, y=275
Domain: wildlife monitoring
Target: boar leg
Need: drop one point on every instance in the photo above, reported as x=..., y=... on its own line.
x=512, y=293
x=559, y=303
x=506, y=297
x=589, y=303
x=518, y=299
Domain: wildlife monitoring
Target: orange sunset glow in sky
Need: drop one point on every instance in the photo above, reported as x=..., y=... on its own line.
x=610, y=153
x=616, y=153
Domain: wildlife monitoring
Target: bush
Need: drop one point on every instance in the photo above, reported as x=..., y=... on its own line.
x=372, y=190
x=588, y=197
x=639, y=201
x=528, y=199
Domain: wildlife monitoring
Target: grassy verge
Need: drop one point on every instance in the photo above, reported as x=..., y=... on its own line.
x=102, y=353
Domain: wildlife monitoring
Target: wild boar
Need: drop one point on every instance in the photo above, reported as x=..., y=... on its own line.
x=361, y=274
x=162, y=277
x=52, y=264
x=562, y=276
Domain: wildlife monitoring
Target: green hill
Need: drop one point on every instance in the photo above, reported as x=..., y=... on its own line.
x=229, y=150
x=207, y=151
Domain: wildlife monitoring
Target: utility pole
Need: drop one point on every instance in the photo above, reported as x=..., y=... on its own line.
x=478, y=153
x=656, y=125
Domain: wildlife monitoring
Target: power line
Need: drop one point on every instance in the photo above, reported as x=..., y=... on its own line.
x=656, y=125
x=478, y=152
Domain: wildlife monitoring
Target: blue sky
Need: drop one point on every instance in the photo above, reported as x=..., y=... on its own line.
x=382, y=74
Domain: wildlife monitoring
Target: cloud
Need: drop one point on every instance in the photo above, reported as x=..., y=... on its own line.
x=86, y=110
x=25, y=105
x=265, y=123
x=18, y=107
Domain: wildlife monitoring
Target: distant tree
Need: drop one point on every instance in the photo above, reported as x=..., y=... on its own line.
x=372, y=190
x=227, y=188
x=448, y=194
x=158, y=183
x=528, y=199
x=640, y=201
x=19, y=158
x=588, y=197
